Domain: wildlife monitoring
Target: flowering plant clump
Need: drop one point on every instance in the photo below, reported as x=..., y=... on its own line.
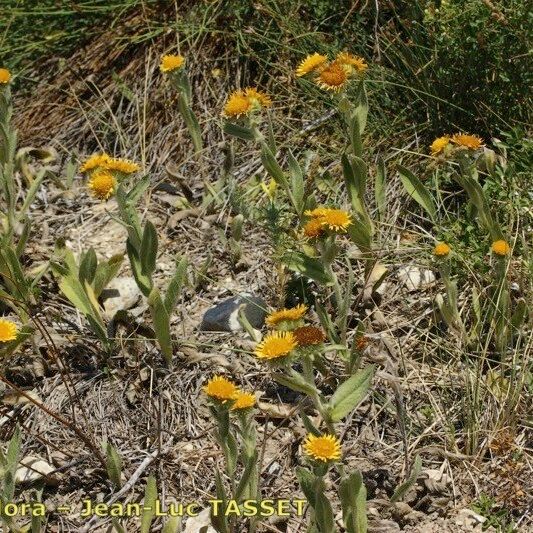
x=335, y=220
x=244, y=102
x=447, y=144
x=105, y=173
x=332, y=75
x=286, y=318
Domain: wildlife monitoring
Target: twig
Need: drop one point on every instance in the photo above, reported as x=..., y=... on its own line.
x=129, y=484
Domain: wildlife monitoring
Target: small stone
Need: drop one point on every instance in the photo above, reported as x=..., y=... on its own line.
x=225, y=315
x=120, y=294
x=202, y=523
x=414, y=278
x=33, y=469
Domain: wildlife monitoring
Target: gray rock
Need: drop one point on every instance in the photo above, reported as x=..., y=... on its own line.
x=224, y=316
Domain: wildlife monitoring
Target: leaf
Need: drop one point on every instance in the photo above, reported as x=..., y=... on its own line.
x=161, y=321
x=308, y=425
x=307, y=482
x=355, y=135
x=380, y=188
x=148, y=250
x=361, y=235
x=113, y=465
x=272, y=167
x=117, y=526
x=519, y=315
x=12, y=459
x=479, y=200
x=105, y=272
x=241, y=132
x=150, y=497
x=416, y=189
x=247, y=478
x=143, y=282
x=295, y=382
x=172, y=525
x=297, y=183
x=350, y=393
x=88, y=265
x=402, y=489
x=355, y=172
x=352, y=493
x=176, y=285
x=323, y=511
x=307, y=266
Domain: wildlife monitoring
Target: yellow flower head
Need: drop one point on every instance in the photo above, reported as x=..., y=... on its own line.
x=439, y=144
x=501, y=247
x=123, y=166
x=171, y=62
x=318, y=212
x=257, y=98
x=467, y=141
x=275, y=345
x=441, y=249
x=221, y=389
x=8, y=330
x=238, y=104
x=335, y=220
x=324, y=448
x=243, y=400
x=94, y=162
x=102, y=184
x=333, y=77
x=295, y=313
x=309, y=336
x=313, y=228
x=311, y=63
x=5, y=75
x=352, y=64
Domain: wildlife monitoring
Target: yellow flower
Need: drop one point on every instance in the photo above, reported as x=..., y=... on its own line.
x=335, y=220
x=8, y=330
x=333, y=77
x=275, y=345
x=257, y=98
x=468, y=141
x=123, y=166
x=439, y=144
x=317, y=212
x=501, y=247
x=243, y=400
x=286, y=314
x=441, y=249
x=352, y=64
x=313, y=228
x=95, y=161
x=221, y=389
x=238, y=104
x=102, y=184
x=311, y=63
x=5, y=75
x=171, y=62
x=324, y=448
